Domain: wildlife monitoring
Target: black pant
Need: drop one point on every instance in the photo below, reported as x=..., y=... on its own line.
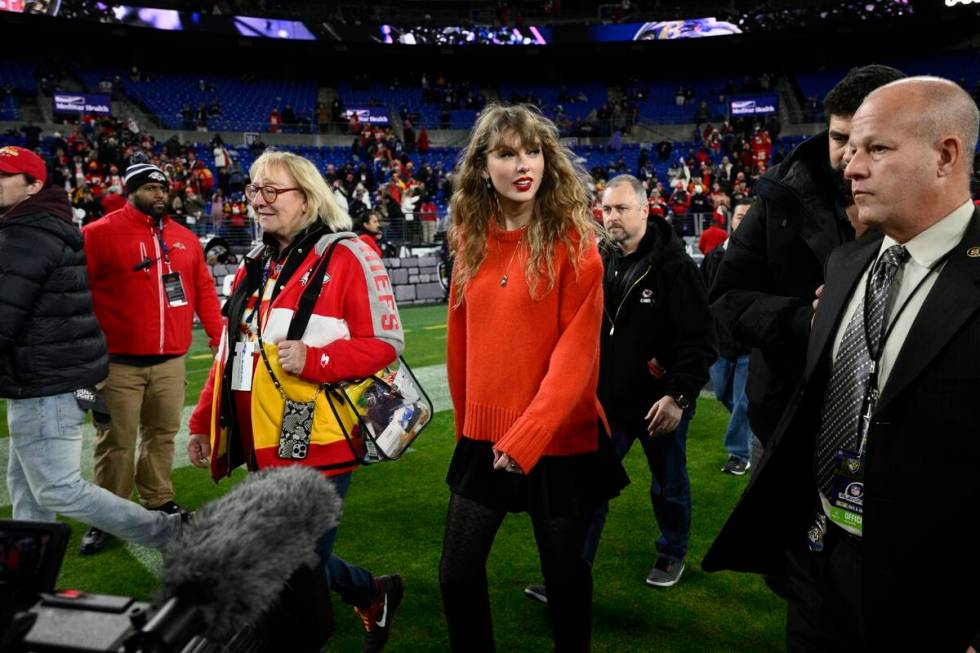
x=826, y=603
x=470, y=531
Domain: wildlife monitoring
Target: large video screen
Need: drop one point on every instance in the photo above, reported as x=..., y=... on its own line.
x=765, y=18
x=463, y=35
x=272, y=28
x=163, y=19
x=166, y=19
x=665, y=30
x=536, y=35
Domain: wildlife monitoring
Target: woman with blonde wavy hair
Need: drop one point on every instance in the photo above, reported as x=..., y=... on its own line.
x=523, y=362
x=279, y=345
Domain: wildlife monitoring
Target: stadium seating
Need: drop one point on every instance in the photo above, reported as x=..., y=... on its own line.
x=9, y=109
x=660, y=105
x=397, y=97
x=20, y=76
x=245, y=105
x=816, y=84
x=593, y=96
x=963, y=67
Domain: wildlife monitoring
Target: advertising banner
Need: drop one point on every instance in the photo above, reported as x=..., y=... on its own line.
x=754, y=105
x=79, y=103
x=372, y=115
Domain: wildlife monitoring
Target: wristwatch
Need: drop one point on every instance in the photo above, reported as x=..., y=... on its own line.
x=682, y=401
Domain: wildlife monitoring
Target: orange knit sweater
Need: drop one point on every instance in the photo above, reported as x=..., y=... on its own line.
x=523, y=373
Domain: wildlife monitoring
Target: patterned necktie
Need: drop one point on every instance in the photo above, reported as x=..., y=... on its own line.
x=841, y=417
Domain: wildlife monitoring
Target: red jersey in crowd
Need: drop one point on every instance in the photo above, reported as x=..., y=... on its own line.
x=428, y=211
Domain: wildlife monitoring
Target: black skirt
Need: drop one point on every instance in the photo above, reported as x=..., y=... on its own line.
x=558, y=486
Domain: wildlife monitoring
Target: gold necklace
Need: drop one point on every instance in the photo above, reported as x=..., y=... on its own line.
x=503, y=279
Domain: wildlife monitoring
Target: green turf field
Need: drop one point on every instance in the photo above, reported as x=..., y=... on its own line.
x=394, y=518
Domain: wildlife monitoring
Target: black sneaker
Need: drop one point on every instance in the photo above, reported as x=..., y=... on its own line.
x=537, y=592
x=665, y=572
x=736, y=466
x=93, y=541
x=186, y=516
x=377, y=617
x=170, y=507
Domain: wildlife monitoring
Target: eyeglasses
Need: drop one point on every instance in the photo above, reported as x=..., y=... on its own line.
x=269, y=193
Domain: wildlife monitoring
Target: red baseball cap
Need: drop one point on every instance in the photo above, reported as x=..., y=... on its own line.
x=15, y=160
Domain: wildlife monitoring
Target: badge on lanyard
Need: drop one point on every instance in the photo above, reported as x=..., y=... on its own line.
x=242, y=366
x=816, y=532
x=174, y=289
x=847, y=490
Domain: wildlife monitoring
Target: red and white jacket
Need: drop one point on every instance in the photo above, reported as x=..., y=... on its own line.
x=353, y=332
x=130, y=303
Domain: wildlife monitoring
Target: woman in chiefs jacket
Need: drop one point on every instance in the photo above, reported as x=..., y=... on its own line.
x=354, y=331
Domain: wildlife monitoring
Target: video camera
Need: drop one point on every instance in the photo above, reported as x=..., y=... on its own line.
x=222, y=581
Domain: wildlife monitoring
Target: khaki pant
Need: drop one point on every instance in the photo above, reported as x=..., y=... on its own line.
x=144, y=401
x=429, y=231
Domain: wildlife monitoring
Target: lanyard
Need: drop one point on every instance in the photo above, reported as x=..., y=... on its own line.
x=871, y=392
x=268, y=266
x=266, y=273
x=164, y=252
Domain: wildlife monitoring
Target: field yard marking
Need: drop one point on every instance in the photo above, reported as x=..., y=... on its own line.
x=435, y=383
x=434, y=327
x=150, y=559
x=201, y=357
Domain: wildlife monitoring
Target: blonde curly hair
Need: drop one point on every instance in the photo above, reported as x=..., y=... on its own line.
x=561, y=205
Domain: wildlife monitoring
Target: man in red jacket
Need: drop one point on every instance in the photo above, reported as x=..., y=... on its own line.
x=148, y=278
x=714, y=235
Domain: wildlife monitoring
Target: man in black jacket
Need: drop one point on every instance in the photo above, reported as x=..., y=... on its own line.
x=775, y=262
x=52, y=354
x=657, y=342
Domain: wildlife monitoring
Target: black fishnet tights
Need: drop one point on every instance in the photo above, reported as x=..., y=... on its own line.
x=470, y=531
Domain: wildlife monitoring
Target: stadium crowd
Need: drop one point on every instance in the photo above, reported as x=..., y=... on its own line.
x=405, y=182
x=208, y=181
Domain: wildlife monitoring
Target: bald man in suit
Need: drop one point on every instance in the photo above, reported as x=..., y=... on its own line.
x=869, y=495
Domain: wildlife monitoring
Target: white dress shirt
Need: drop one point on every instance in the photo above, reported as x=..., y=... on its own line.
x=925, y=250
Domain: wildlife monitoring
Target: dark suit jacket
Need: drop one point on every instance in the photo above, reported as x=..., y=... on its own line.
x=921, y=542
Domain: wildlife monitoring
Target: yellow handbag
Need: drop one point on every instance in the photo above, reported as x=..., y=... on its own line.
x=379, y=416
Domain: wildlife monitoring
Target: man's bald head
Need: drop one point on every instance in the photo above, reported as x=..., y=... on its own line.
x=910, y=154
x=943, y=109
